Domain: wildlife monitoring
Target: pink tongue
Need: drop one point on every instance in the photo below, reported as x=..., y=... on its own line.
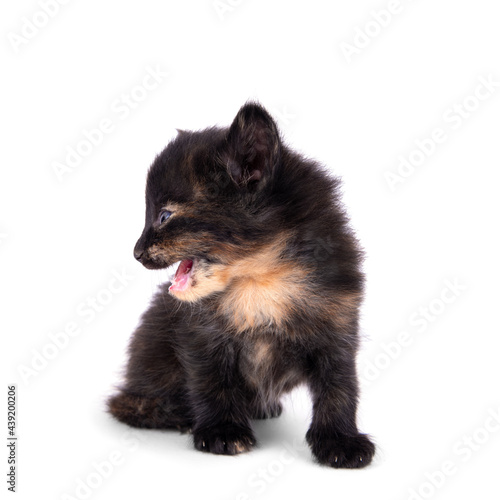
x=181, y=279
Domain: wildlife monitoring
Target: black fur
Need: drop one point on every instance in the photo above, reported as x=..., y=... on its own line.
x=272, y=300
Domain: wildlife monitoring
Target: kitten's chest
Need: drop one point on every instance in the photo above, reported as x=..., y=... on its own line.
x=264, y=298
x=270, y=366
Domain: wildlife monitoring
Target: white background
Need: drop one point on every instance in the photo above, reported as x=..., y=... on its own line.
x=63, y=238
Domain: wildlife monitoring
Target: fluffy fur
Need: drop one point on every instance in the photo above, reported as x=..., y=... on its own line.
x=270, y=301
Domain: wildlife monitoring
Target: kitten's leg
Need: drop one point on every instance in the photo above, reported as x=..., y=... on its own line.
x=333, y=434
x=154, y=394
x=220, y=403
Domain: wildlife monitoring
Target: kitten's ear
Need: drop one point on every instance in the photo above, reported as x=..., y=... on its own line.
x=253, y=146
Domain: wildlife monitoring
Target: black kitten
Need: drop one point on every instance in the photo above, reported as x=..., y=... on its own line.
x=265, y=297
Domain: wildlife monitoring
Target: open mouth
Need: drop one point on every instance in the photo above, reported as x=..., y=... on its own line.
x=183, y=276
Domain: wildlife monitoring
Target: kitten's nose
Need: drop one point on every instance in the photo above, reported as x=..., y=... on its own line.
x=138, y=253
x=140, y=247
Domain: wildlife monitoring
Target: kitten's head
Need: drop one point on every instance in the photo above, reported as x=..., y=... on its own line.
x=209, y=203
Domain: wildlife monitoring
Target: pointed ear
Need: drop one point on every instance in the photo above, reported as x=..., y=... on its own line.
x=253, y=146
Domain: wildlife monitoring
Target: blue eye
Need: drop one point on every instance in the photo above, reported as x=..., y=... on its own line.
x=165, y=215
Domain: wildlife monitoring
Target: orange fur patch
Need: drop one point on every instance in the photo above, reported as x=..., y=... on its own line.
x=263, y=288
x=343, y=307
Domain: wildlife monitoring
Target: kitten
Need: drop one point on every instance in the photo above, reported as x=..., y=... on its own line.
x=265, y=297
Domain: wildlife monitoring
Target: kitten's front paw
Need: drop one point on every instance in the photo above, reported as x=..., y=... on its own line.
x=341, y=451
x=224, y=439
